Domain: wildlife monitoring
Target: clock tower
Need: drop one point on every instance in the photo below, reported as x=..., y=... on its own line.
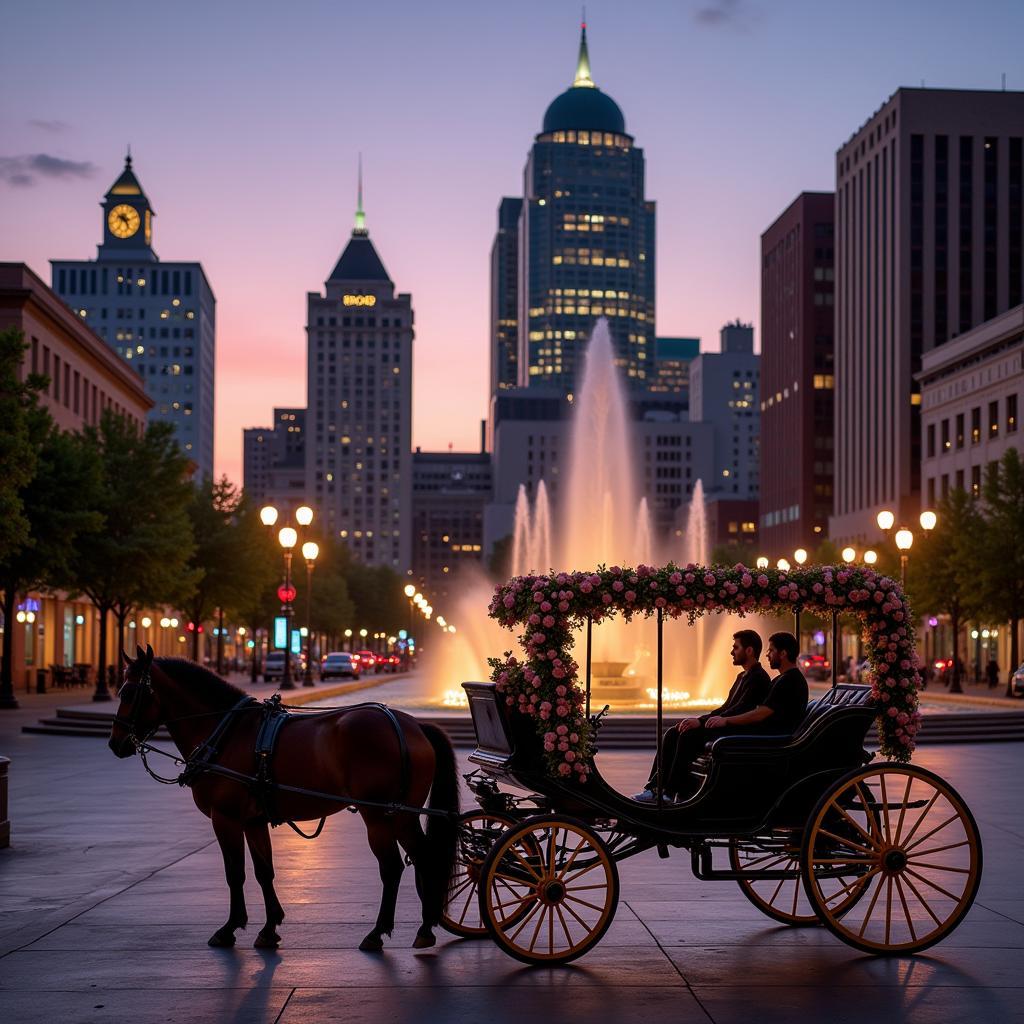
x=127, y=219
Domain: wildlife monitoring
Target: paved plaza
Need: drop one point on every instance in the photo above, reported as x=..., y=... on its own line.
x=113, y=884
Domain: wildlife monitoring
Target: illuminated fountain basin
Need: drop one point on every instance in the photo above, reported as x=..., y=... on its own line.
x=600, y=520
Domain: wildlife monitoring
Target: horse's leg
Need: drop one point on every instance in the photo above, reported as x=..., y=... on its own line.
x=414, y=842
x=381, y=836
x=229, y=836
x=258, y=838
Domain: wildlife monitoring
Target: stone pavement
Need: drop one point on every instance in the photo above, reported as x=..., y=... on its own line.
x=113, y=884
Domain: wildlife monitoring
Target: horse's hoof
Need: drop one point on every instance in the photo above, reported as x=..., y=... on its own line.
x=424, y=940
x=371, y=944
x=221, y=940
x=267, y=940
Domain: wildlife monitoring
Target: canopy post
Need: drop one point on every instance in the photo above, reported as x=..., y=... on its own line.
x=590, y=626
x=835, y=648
x=661, y=787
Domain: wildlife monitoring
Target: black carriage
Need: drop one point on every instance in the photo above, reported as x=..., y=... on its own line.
x=885, y=855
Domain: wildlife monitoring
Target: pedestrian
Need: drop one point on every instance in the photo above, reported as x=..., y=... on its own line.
x=992, y=673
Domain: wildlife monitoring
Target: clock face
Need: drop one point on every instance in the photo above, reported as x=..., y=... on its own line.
x=123, y=220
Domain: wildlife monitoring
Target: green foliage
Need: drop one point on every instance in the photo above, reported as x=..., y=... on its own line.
x=499, y=565
x=19, y=440
x=331, y=609
x=376, y=591
x=733, y=553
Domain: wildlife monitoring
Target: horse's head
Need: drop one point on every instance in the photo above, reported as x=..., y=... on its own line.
x=139, y=713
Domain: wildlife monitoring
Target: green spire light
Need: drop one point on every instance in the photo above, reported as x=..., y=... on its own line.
x=583, y=79
x=360, y=228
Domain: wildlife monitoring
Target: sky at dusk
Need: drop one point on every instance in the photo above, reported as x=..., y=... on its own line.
x=246, y=119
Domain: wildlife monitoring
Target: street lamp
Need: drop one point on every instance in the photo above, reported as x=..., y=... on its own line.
x=849, y=555
x=782, y=565
x=800, y=556
x=904, y=541
x=870, y=557
x=762, y=562
x=309, y=552
x=287, y=538
x=885, y=520
x=303, y=515
x=268, y=515
x=348, y=638
x=928, y=520
x=410, y=593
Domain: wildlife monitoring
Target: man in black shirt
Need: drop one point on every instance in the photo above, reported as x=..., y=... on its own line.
x=749, y=690
x=778, y=712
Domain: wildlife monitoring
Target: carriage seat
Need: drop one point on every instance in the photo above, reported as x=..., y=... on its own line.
x=848, y=701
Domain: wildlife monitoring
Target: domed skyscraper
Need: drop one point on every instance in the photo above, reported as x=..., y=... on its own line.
x=580, y=243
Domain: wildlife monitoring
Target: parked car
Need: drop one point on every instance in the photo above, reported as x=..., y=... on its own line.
x=273, y=666
x=368, y=661
x=392, y=662
x=815, y=666
x=1017, y=682
x=339, y=665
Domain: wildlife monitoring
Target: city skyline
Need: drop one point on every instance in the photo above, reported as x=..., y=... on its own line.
x=268, y=211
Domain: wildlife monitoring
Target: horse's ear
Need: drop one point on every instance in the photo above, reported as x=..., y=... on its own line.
x=149, y=654
x=139, y=651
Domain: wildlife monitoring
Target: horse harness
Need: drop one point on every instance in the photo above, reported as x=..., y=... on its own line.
x=274, y=716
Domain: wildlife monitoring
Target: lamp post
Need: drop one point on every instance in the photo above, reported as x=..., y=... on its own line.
x=287, y=538
x=904, y=540
x=410, y=590
x=309, y=552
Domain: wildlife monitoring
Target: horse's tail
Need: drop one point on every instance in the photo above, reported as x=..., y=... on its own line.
x=442, y=830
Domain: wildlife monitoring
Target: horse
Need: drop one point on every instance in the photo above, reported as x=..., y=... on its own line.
x=353, y=752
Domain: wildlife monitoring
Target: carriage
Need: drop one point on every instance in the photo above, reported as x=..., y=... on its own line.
x=884, y=854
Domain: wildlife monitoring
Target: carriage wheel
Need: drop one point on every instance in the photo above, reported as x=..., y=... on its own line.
x=785, y=900
x=549, y=890
x=478, y=832
x=916, y=846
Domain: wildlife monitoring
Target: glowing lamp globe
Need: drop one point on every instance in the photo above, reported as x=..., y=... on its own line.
x=928, y=520
x=885, y=519
x=303, y=515
x=870, y=557
x=409, y=590
x=849, y=555
x=310, y=550
x=287, y=537
x=268, y=515
x=904, y=539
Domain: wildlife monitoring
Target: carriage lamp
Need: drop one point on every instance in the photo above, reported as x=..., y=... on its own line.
x=904, y=541
x=762, y=563
x=303, y=515
x=849, y=555
x=870, y=557
x=885, y=520
x=309, y=552
x=928, y=520
x=268, y=515
x=800, y=556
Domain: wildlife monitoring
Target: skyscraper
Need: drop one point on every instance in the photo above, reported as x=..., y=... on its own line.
x=359, y=417
x=159, y=316
x=504, y=301
x=797, y=374
x=586, y=240
x=929, y=244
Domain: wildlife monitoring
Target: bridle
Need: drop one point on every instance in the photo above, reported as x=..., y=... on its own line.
x=141, y=743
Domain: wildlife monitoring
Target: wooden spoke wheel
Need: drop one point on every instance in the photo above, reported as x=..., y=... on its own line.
x=549, y=890
x=478, y=831
x=915, y=849
x=783, y=899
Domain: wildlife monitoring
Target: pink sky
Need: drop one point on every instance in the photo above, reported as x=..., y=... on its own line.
x=245, y=121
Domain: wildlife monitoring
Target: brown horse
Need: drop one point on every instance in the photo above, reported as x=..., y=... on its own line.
x=354, y=752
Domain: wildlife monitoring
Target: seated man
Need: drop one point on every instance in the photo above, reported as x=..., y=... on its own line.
x=749, y=689
x=778, y=713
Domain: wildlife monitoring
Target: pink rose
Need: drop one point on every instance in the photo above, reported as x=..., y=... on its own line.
x=564, y=769
x=630, y=596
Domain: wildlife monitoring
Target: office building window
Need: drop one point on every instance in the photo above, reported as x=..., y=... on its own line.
x=960, y=430
x=945, y=436
x=975, y=481
x=1011, y=414
x=976, y=425
x=993, y=419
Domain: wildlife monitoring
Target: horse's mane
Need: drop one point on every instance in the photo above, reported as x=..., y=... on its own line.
x=199, y=678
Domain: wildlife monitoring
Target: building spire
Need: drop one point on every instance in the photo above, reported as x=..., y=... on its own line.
x=583, y=79
x=128, y=158
x=360, y=227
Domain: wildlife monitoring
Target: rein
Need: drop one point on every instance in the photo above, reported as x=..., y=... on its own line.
x=197, y=762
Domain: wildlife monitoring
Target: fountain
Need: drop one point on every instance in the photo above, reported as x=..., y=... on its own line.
x=599, y=519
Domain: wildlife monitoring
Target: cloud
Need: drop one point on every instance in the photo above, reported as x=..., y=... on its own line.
x=49, y=126
x=25, y=171
x=718, y=12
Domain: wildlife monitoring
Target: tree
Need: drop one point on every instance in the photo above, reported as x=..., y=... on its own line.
x=499, y=565
x=139, y=553
x=18, y=447
x=943, y=576
x=376, y=590
x=1002, y=542
x=57, y=503
x=332, y=608
x=226, y=532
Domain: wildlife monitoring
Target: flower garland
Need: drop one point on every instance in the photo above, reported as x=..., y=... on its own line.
x=546, y=686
